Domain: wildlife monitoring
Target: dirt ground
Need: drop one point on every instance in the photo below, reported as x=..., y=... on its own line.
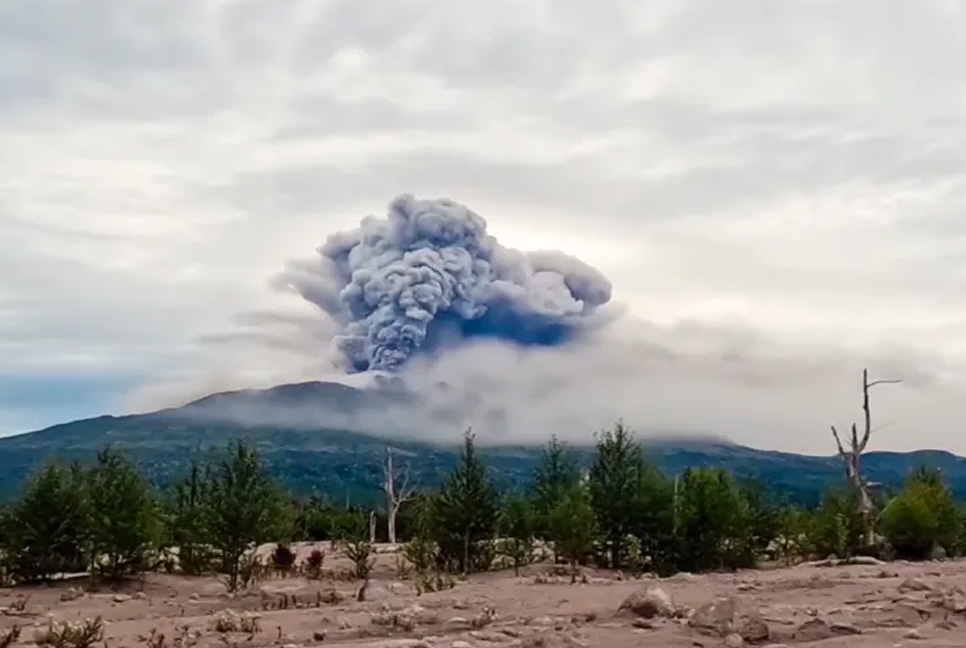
x=898, y=604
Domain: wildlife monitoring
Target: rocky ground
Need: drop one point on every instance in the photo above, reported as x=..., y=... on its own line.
x=898, y=604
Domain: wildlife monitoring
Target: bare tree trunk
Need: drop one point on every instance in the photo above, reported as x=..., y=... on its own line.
x=392, y=524
x=395, y=497
x=372, y=527
x=852, y=458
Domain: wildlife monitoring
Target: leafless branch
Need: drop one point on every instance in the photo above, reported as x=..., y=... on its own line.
x=838, y=441
x=885, y=381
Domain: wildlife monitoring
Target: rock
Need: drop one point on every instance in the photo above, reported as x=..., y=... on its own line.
x=140, y=596
x=72, y=594
x=912, y=634
x=726, y=616
x=649, y=602
x=888, y=573
x=121, y=598
x=938, y=553
x=908, y=616
x=716, y=617
x=734, y=641
x=914, y=585
x=813, y=630
x=643, y=624
x=461, y=644
x=845, y=629
x=753, y=629
x=955, y=602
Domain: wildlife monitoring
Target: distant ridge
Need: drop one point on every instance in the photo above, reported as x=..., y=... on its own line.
x=296, y=428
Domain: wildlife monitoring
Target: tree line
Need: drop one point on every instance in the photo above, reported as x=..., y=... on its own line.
x=623, y=513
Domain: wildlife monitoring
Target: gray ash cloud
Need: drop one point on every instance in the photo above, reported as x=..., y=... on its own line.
x=428, y=275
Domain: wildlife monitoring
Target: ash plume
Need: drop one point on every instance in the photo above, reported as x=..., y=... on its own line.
x=428, y=275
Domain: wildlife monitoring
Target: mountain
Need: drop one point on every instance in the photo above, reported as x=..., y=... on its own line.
x=342, y=461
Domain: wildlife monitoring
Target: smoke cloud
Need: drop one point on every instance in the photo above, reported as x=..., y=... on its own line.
x=428, y=276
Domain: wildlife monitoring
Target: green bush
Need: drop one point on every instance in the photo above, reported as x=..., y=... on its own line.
x=837, y=527
x=573, y=526
x=922, y=517
x=714, y=522
x=125, y=526
x=187, y=523
x=46, y=530
x=516, y=526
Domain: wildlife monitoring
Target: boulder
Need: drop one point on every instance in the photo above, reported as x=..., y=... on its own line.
x=914, y=585
x=648, y=602
x=734, y=641
x=717, y=617
x=814, y=629
x=726, y=616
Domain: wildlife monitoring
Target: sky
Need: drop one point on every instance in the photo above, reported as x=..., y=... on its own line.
x=775, y=190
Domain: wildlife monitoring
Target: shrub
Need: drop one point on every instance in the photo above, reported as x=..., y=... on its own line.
x=71, y=635
x=283, y=558
x=230, y=621
x=922, y=517
x=313, y=563
x=359, y=551
x=355, y=543
x=9, y=636
x=837, y=527
x=420, y=552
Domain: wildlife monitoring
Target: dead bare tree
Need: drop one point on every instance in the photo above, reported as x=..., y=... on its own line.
x=852, y=458
x=396, y=495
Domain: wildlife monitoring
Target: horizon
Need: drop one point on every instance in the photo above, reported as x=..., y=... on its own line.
x=702, y=219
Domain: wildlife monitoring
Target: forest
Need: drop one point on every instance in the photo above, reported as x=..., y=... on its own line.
x=106, y=519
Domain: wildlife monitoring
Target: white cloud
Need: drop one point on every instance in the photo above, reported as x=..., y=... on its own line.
x=795, y=168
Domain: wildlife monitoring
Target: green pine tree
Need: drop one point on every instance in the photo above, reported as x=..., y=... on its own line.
x=124, y=521
x=712, y=520
x=242, y=507
x=652, y=518
x=573, y=526
x=553, y=479
x=516, y=527
x=465, y=512
x=45, y=529
x=614, y=487
x=188, y=523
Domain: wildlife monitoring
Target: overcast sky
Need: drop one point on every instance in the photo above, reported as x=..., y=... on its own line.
x=779, y=182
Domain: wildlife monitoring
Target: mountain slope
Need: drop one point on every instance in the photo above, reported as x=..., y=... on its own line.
x=341, y=462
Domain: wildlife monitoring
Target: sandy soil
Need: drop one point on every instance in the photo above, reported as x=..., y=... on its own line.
x=898, y=604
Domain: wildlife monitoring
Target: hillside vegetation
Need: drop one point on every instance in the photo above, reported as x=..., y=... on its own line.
x=624, y=512
x=341, y=464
